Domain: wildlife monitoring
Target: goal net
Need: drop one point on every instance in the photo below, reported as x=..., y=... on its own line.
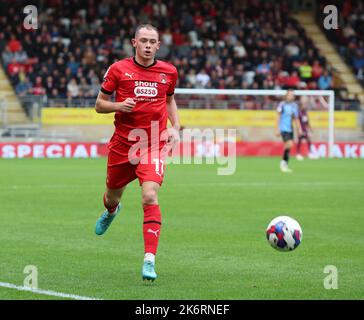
x=258, y=104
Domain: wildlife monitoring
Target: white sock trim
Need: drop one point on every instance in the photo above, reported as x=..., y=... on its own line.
x=116, y=209
x=149, y=257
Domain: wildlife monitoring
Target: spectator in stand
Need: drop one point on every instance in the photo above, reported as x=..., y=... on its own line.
x=13, y=68
x=23, y=87
x=62, y=87
x=38, y=89
x=317, y=70
x=84, y=88
x=159, y=9
x=7, y=56
x=305, y=71
x=54, y=94
x=250, y=47
x=263, y=68
x=202, y=79
x=73, y=64
x=49, y=85
x=292, y=81
x=198, y=19
x=21, y=56
x=167, y=37
x=72, y=89
x=191, y=78
x=14, y=44
x=325, y=81
x=358, y=60
x=292, y=50
x=239, y=52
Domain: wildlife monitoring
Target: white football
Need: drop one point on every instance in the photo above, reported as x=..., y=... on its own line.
x=284, y=233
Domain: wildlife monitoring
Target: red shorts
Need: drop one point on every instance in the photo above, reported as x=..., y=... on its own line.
x=120, y=174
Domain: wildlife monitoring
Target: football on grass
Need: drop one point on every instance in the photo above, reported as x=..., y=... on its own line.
x=284, y=233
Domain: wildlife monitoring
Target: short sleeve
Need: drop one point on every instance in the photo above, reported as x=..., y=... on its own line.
x=280, y=107
x=172, y=86
x=110, y=80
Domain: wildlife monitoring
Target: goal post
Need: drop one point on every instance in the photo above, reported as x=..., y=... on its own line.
x=328, y=94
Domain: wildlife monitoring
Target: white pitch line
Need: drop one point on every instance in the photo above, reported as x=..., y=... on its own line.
x=45, y=292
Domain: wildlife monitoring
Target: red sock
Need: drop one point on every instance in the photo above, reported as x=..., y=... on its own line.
x=151, y=227
x=109, y=208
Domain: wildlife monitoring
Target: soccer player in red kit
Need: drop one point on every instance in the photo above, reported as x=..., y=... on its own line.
x=144, y=101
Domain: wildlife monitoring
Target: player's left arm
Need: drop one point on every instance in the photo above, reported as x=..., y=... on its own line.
x=173, y=112
x=173, y=133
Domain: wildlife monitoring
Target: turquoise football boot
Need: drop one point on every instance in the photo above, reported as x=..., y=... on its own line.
x=103, y=223
x=148, y=272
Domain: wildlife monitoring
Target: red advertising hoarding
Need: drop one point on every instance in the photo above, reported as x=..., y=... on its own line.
x=11, y=150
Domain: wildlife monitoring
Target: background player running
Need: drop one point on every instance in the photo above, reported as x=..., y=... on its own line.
x=144, y=98
x=287, y=113
x=306, y=129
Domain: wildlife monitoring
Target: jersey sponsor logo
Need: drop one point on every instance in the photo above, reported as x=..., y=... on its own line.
x=146, y=92
x=146, y=84
x=145, y=88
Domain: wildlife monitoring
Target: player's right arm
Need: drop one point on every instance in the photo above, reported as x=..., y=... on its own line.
x=110, y=84
x=104, y=105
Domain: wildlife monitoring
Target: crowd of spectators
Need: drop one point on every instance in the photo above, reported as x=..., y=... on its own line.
x=215, y=44
x=349, y=37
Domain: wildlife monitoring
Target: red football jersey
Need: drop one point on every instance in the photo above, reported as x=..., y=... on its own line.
x=148, y=87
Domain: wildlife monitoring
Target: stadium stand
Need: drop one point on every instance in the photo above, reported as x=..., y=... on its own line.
x=349, y=38
x=245, y=44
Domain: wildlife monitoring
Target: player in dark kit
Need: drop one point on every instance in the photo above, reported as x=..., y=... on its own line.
x=144, y=101
x=306, y=129
x=287, y=113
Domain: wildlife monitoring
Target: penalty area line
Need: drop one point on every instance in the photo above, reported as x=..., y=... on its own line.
x=45, y=292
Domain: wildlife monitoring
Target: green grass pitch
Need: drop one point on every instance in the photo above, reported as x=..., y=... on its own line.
x=212, y=244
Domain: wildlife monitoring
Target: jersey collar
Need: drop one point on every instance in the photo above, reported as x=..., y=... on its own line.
x=145, y=67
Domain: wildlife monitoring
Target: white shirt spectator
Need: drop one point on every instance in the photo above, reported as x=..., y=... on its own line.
x=167, y=38
x=292, y=49
x=160, y=9
x=72, y=88
x=348, y=31
x=239, y=50
x=202, y=79
x=191, y=77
